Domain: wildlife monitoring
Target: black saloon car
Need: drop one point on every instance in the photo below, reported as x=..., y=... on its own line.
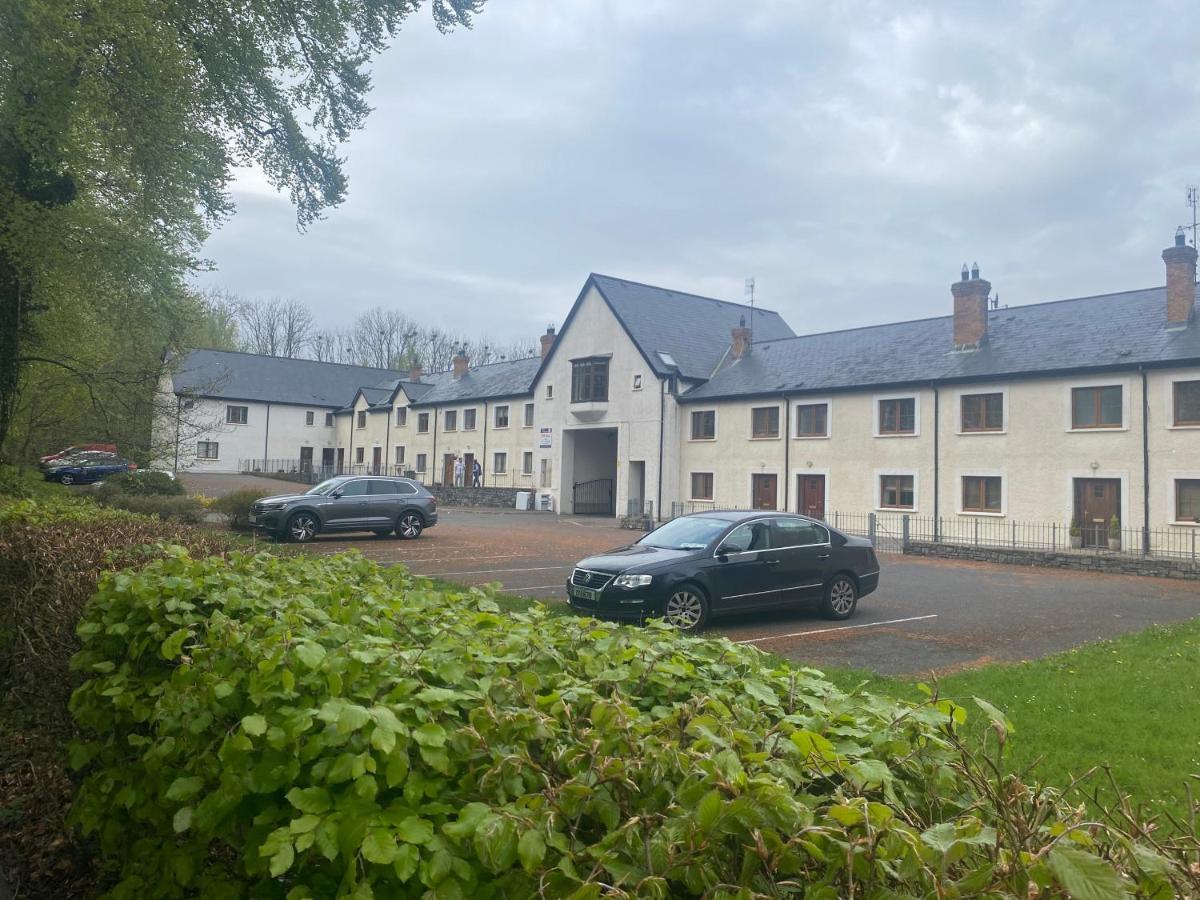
x=349, y=503
x=720, y=563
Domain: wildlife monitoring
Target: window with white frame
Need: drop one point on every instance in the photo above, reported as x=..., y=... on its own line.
x=528, y=415
x=982, y=412
x=547, y=475
x=310, y=418
x=399, y=455
x=898, y=415
x=360, y=419
x=982, y=494
x=208, y=450
x=359, y=454
x=704, y=425
x=764, y=422
x=527, y=462
x=637, y=382
x=1186, y=402
x=468, y=420
x=1097, y=407
x=549, y=392
x=896, y=491
x=702, y=486
x=812, y=420
x=421, y=460
x=328, y=420
x=1187, y=500
x=237, y=415
x=423, y=423
x=499, y=463
x=402, y=417
x=501, y=418
x=450, y=420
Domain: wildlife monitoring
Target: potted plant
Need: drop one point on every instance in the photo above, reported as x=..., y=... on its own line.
x=1076, y=535
x=1114, y=534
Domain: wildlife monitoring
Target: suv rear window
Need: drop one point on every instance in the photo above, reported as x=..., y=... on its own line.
x=354, y=489
x=382, y=487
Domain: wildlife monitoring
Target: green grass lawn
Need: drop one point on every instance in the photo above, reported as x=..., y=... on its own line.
x=1132, y=703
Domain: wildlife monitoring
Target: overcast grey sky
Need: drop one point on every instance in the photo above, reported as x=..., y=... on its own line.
x=850, y=156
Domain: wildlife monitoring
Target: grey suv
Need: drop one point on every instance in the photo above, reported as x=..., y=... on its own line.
x=349, y=503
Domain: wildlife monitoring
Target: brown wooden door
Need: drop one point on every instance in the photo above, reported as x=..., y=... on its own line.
x=764, y=490
x=376, y=460
x=306, y=458
x=341, y=460
x=468, y=469
x=1097, y=500
x=448, y=469
x=811, y=491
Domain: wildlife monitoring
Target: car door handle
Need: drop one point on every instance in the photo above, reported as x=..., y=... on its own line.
x=823, y=556
x=770, y=562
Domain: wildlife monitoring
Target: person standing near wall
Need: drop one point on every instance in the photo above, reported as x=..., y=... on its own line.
x=459, y=470
x=478, y=474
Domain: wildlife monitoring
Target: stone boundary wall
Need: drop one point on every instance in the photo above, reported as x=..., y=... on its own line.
x=491, y=497
x=1116, y=563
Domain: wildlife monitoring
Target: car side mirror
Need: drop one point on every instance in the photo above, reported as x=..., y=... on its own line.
x=723, y=554
x=336, y=495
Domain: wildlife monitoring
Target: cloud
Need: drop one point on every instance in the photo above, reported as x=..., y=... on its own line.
x=851, y=156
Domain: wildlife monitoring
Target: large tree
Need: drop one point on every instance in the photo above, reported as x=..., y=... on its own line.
x=121, y=122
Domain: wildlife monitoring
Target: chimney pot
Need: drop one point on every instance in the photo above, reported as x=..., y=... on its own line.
x=1180, y=260
x=547, y=340
x=975, y=271
x=965, y=272
x=1180, y=240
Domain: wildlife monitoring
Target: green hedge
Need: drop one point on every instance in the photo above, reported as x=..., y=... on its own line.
x=320, y=727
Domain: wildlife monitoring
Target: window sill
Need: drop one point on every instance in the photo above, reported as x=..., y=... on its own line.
x=768, y=437
x=1186, y=524
x=896, y=509
x=1186, y=426
x=499, y=428
x=811, y=437
x=701, y=500
x=982, y=431
x=898, y=434
x=589, y=410
x=711, y=440
x=982, y=513
x=1103, y=429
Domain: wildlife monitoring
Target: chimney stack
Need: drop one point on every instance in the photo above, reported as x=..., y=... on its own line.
x=1181, y=281
x=547, y=340
x=415, y=372
x=970, y=309
x=460, y=363
x=742, y=337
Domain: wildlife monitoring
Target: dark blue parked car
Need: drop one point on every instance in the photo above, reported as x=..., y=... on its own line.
x=87, y=469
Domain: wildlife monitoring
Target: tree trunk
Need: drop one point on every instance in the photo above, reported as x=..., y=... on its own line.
x=12, y=296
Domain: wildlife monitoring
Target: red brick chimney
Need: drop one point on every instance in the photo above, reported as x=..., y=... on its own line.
x=742, y=338
x=547, y=340
x=970, y=309
x=1181, y=281
x=460, y=363
x=415, y=372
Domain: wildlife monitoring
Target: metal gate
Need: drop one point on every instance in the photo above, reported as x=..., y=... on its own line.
x=595, y=498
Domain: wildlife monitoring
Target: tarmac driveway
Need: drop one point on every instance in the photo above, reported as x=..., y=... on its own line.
x=928, y=615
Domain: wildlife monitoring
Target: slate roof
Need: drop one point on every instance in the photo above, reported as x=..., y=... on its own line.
x=231, y=375
x=1109, y=331
x=512, y=378
x=693, y=330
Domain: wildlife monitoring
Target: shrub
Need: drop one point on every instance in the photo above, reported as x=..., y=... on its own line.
x=180, y=509
x=235, y=506
x=144, y=483
x=320, y=726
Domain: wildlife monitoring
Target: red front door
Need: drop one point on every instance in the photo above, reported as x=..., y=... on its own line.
x=811, y=491
x=376, y=460
x=1097, y=500
x=764, y=489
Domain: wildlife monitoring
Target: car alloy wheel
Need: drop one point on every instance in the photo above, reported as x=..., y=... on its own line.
x=302, y=528
x=409, y=527
x=841, y=598
x=686, y=609
x=67, y=478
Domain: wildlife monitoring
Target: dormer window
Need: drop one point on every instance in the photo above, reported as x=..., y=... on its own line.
x=589, y=380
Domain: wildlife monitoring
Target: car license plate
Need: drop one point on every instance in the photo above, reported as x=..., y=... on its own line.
x=253, y=520
x=582, y=593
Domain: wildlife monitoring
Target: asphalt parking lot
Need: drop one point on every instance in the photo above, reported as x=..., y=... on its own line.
x=927, y=616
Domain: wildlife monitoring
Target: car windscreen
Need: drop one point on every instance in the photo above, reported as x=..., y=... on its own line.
x=687, y=533
x=325, y=486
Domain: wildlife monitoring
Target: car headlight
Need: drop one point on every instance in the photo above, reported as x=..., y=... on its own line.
x=271, y=507
x=632, y=581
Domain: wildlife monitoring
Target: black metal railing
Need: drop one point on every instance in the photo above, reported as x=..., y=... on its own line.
x=594, y=498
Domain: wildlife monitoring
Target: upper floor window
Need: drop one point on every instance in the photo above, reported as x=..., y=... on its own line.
x=450, y=422
x=589, y=380
x=637, y=382
x=549, y=392
x=501, y=416
x=361, y=419
x=328, y=420
x=402, y=416
x=1187, y=403
x=1096, y=407
x=812, y=420
x=1187, y=500
x=310, y=418
x=237, y=415
x=983, y=412
x=528, y=415
x=423, y=424
x=468, y=420
x=981, y=493
x=764, y=422
x=898, y=415
x=704, y=425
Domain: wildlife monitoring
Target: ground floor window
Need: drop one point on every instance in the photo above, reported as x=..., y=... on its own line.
x=527, y=463
x=499, y=463
x=981, y=493
x=547, y=473
x=358, y=454
x=896, y=491
x=421, y=458
x=207, y=450
x=399, y=455
x=702, y=485
x=1187, y=500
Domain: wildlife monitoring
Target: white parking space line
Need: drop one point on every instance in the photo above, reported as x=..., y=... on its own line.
x=498, y=571
x=794, y=634
x=420, y=559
